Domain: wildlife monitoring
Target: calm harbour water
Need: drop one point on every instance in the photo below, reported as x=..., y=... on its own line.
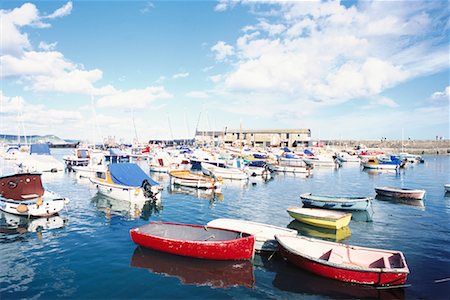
x=91, y=256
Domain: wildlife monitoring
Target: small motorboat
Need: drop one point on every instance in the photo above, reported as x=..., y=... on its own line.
x=195, y=241
x=320, y=217
x=345, y=262
x=195, y=180
x=126, y=181
x=336, y=202
x=23, y=194
x=391, y=163
x=400, y=193
x=223, y=171
x=264, y=233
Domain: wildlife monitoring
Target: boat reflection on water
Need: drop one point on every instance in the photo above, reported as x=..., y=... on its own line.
x=412, y=202
x=292, y=279
x=322, y=233
x=13, y=224
x=200, y=272
x=362, y=215
x=208, y=194
x=131, y=210
x=376, y=172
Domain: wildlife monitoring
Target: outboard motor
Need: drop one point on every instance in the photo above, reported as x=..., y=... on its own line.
x=147, y=188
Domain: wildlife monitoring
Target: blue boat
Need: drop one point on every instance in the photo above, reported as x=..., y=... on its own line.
x=336, y=202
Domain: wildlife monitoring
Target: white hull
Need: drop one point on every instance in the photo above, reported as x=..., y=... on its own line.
x=321, y=162
x=264, y=233
x=291, y=169
x=87, y=171
x=380, y=166
x=256, y=171
x=40, y=163
x=121, y=192
x=199, y=184
x=51, y=204
x=227, y=173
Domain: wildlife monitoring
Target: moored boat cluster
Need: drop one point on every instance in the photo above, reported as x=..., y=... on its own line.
x=114, y=175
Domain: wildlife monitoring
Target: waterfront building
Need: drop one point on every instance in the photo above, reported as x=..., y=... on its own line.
x=256, y=138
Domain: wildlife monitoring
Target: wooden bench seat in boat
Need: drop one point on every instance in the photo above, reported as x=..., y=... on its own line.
x=29, y=196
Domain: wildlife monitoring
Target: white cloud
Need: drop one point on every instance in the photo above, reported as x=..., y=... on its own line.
x=35, y=118
x=222, y=50
x=148, y=6
x=180, y=75
x=197, y=94
x=46, y=70
x=138, y=98
x=47, y=47
x=382, y=101
x=442, y=94
x=61, y=12
x=11, y=104
x=326, y=52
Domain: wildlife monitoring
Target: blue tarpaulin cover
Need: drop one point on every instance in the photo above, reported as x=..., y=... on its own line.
x=129, y=174
x=41, y=149
x=307, y=152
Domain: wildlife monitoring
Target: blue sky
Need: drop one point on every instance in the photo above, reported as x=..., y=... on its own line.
x=360, y=70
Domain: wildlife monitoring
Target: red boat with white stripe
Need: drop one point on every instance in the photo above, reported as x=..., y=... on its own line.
x=345, y=262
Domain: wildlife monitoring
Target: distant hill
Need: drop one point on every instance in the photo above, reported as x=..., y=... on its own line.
x=51, y=139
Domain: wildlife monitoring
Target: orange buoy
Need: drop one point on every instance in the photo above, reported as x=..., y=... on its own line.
x=22, y=208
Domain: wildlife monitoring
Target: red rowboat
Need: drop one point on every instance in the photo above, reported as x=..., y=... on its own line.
x=345, y=262
x=195, y=240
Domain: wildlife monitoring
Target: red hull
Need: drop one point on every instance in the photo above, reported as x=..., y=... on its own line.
x=234, y=249
x=342, y=274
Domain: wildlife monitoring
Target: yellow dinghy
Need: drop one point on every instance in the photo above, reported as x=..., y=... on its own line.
x=320, y=217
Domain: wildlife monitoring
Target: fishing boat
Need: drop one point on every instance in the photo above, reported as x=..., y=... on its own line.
x=322, y=161
x=320, y=217
x=392, y=163
x=23, y=194
x=447, y=187
x=195, y=241
x=195, y=180
x=336, y=202
x=400, y=193
x=264, y=233
x=126, y=181
x=345, y=262
x=80, y=157
x=198, y=272
x=345, y=157
x=223, y=171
